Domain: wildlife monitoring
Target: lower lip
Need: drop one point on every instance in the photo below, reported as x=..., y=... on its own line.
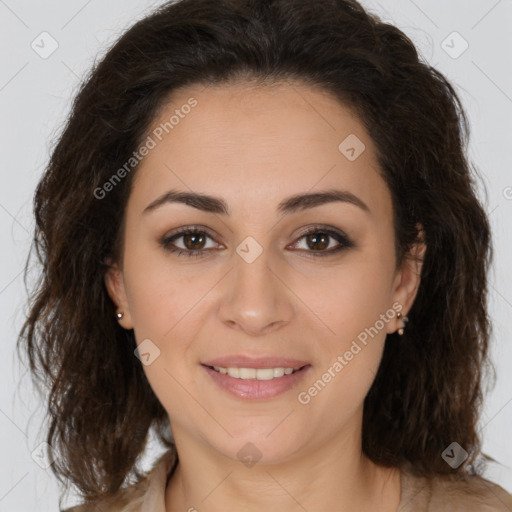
x=257, y=389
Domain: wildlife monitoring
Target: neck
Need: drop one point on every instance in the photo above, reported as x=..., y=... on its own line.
x=330, y=475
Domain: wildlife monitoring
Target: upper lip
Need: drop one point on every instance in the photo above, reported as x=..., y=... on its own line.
x=239, y=361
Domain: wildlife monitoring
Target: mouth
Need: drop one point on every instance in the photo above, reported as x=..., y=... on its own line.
x=256, y=384
x=255, y=373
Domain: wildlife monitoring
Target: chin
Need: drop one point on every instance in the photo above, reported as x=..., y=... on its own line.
x=253, y=448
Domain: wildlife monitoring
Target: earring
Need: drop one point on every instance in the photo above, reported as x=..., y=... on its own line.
x=120, y=315
x=404, y=320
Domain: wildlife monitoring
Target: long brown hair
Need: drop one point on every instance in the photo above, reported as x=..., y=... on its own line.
x=428, y=389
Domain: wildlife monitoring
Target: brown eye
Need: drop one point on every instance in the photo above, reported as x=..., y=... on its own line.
x=318, y=242
x=193, y=242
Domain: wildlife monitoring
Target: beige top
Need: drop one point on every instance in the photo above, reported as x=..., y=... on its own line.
x=418, y=494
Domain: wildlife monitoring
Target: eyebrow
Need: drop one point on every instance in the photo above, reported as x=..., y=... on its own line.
x=292, y=204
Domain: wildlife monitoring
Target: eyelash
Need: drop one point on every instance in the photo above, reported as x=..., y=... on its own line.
x=340, y=237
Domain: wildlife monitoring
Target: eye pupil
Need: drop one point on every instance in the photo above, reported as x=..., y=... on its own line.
x=319, y=238
x=194, y=237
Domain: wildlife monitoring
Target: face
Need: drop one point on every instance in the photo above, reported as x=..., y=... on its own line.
x=263, y=281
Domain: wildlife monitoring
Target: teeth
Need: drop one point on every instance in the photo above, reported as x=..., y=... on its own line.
x=234, y=372
x=255, y=373
x=278, y=372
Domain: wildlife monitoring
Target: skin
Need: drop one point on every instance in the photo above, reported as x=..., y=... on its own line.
x=255, y=146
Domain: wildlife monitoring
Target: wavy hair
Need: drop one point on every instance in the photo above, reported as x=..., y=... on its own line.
x=429, y=386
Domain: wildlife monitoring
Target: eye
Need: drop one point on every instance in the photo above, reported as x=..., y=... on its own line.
x=320, y=238
x=193, y=241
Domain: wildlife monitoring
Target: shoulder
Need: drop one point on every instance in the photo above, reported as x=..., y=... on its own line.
x=453, y=493
x=470, y=493
x=146, y=494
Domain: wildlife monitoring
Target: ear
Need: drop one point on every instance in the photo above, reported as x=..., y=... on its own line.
x=408, y=278
x=114, y=282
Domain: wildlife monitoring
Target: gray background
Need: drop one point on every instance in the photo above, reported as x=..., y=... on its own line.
x=35, y=95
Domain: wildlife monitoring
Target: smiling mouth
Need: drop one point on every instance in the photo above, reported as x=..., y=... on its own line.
x=255, y=373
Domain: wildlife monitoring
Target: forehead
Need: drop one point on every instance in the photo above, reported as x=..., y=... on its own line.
x=255, y=144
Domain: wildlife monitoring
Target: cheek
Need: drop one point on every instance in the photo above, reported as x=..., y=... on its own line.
x=167, y=304
x=347, y=297
x=353, y=309
x=352, y=300
x=161, y=294
x=163, y=306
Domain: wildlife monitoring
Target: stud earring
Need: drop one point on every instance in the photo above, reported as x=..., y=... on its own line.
x=120, y=315
x=404, y=320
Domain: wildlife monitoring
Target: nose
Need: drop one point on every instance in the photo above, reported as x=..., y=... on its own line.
x=256, y=299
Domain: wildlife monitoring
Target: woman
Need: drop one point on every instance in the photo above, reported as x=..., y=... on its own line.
x=261, y=240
